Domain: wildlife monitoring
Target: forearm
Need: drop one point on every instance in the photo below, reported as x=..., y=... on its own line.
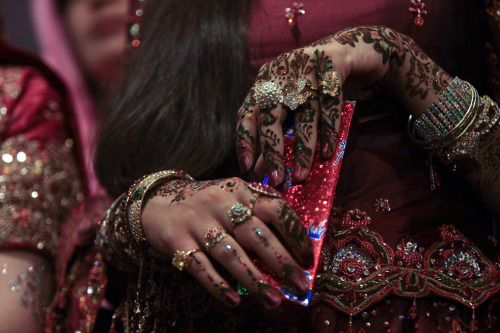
x=484, y=176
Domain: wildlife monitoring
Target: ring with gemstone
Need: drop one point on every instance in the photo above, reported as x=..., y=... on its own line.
x=267, y=94
x=214, y=235
x=239, y=213
x=182, y=259
x=330, y=83
x=297, y=92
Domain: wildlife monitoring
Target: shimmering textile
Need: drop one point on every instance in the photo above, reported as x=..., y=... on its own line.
x=39, y=177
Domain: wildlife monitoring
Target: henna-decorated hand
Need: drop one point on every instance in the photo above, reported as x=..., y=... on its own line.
x=360, y=56
x=180, y=214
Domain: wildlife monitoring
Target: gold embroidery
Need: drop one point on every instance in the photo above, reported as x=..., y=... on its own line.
x=9, y=89
x=38, y=187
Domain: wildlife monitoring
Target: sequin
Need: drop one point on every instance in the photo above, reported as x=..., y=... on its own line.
x=32, y=188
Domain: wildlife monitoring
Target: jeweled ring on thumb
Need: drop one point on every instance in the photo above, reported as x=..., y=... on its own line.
x=239, y=214
x=182, y=259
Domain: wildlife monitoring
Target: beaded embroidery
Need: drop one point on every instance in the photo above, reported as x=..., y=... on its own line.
x=358, y=268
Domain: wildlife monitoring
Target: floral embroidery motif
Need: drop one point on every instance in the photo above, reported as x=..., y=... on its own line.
x=358, y=268
x=353, y=218
x=382, y=205
x=408, y=255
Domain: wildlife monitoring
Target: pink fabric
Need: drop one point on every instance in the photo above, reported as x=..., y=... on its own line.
x=56, y=52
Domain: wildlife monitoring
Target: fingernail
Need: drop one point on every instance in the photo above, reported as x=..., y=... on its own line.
x=297, y=170
x=301, y=283
x=244, y=162
x=231, y=298
x=326, y=151
x=273, y=178
x=271, y=298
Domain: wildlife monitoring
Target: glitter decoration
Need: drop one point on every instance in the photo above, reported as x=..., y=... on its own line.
x=39, y=180
x=382, y=205
x=4, y=269
x=264, y=189
x=30, y=282
x=312, y=199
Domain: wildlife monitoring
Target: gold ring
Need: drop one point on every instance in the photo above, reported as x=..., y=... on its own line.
x=297, y=92
x=253, y=200
x=214, y=236
x=182, y=259
x=330, y=83
x=239, y=213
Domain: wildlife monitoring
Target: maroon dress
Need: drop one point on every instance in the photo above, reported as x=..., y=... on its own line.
x=397, y=256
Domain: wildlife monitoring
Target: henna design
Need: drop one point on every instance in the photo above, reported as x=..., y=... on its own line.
x=266, y=117
x=181, y=189
x=235, y=253
x=292, y=228
x=303, y=154
x=487, y=173
x=423, y=74
x=243, y=139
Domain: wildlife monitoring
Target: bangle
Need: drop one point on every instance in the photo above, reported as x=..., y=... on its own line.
x=447, y=130
x=135, y=197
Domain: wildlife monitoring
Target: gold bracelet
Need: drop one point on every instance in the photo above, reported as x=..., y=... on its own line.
x=135, y=197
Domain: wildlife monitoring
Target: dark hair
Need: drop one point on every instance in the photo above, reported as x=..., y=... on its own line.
x=176, y=108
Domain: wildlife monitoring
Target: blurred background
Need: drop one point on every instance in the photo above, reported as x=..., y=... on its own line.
x=17, y=24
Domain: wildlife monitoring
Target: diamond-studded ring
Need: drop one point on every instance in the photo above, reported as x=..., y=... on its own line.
x=297, y=92
x=239, y=213
x=182, y=259
x=214, y=235
x=268, y=94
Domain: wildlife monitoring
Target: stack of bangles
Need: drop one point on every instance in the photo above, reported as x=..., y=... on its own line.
x=452, y=127
x=120, y=234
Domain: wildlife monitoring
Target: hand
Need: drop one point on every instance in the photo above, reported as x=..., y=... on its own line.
x=359, y=57
x=181, y=213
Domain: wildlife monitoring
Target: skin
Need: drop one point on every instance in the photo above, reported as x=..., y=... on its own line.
x=15, y=317
x=368, y=54
x=180, y=212
x=361, y=56
x=176, y=219
x=98, y=31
